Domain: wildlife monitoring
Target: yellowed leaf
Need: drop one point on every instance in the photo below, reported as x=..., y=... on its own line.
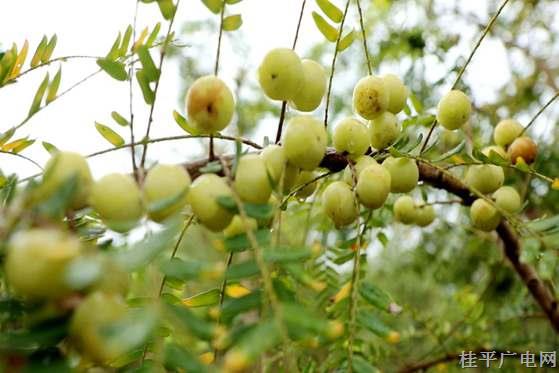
x=555, y=184
x=343, y=293
x=207, y=358
x=236, y=291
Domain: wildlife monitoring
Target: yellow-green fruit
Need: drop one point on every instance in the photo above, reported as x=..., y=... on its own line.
x=350, y=135
x=404, y=210
x=339, y=203
x=304, y=142
x=89, y=323
x=484, y=216
x=485, y=178
x=507, y=198
x=497, y=149
x=59, y=169
x=310, y=94
x=397, y=93
x=209, y=104
x=114, y=279
x=275, y=160
x=454, y=110
x=203, y=195
x=165, y=191
x=360, y=164
x=290, y=177
x=370, y=97
x=523, y=147
x=304, y=178
x=281, y=74
x=404, y=174
x=36, y=262
x=373, y=186
x=506, y=131
x=424, y=215
x=383, y=130
x=251, y=179
x=237, y=226
x=118, y=200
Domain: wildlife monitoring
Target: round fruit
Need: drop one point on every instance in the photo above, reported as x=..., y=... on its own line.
x=403, y=172
x=237, y=226
x=304, y=142
x=383, y=130
x=165, y=191
x=370, y=97
x=311, y=92
x=339, y=203
x=508, y=199
x=484, y=216
x=497, y=149
x=281, y=74
x=36, y=262
x=89, y=323
x=251, y=179
x=118, y=200
x=404, y=210
x=275, y=160
x=360, y=164
x=203, y=195
x=59, y=170
x=485, y=178
x=373, y=186
x=114, y=280
x=523, y=147
x=290, y=177
x=506, y=131
x=397, y=93
x=454, y=110
x=424, y=215
x=303, y=178
x=350, y=135
x=209, y=104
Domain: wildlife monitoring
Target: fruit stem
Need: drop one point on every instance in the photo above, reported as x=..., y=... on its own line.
x=361, y=22
x=280, y=124
x=211, y=155
x=539, y=113
x=218, y=51
x=131, y=97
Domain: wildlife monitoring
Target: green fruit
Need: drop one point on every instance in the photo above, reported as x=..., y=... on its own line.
x=525, y=148
x=506, y=131
x=497, y=149
x=485, y=178
x=397, y=93
x=339, y=204
x=370, y=97
x=36, y=262
x=373, y=186
x=59, y=169
x=118, y=200
x=484, y=216
x=404, y=210
x=424, y=215
x=281, y=74
x=404, y=174
x=360, y=164
x=165, y=191
x=290, y=177
x=309, y=96
x=251, y=179
x=304, y=142
x=350, y=136
x=508, y=199
x=275, y=160
x=209, y=104
x=454, y=110
x=89, y=323
x=203, y=195
x=303, y=178
x=383, y=130
x=237, y=226
x=115, y=280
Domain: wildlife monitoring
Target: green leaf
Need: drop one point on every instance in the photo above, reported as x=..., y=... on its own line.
x=6, y=136
x=167, y=8
x=151, y=72
x=546, y=226
x=53, y=87
x=181, y=121
x=58, y=203
x=232, y=1
x=132, y=330
x=119, y=119
x=381, y=236
x=457, y=149
x=36, y=103
x=258, y=340
x=232, y=23
x=373, y=323
x=109, y=135
x=123, y=50
x=203, y=299
x=147, y=92
x=375, y=296
x=165, y=203
x=153, y=35
x=329, y=32
x=236, y=306
x=299, y=319
x=36, y=60
x=116, y=70
x=346, y=41
x=50, y=147
x=213, y=5
x=242, y=270
x=417, y=105
x=83, y=272
x=114, y=52
x=41, y=336
x=49, y=49
x=178, y=359
x=331, y=10
x=286, y=254
x=360, y=365
x=188, y=320
x=241, y=241
x=23, y=144
x=253, y=210
x=211, y=168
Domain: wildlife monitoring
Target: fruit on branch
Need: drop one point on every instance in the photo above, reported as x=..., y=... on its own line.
x=424, y=215
x=165, y=190
x=238, y=226
x=454, y=110
x=275, y=160
x=361, y=163
x=290, y=177
x=508, y=199
x=383, y=130
x=114, y=279
x=339, y=204
x=304, y=142
x=36, y=262
x=370, y=97
x=397, y=93
x=281, y=74
x=59, y=170
x=209, y=104
x=404, y=210
x=89, y=324
x=373, y=186
x=305, y=177
x=251, y=179
x=404, y=174
x=118, y=200
x=309, y=96
x=525, y=148
x=497, y=149
x=203, y=195
x=506, y=131
x=350, y=135
x=484, y=216
x=485, y=178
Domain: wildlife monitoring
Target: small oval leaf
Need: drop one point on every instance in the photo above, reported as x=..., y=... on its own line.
x=115, y=69
x=329, y=32
x=109, y=135
x=346, y=41
x=331, y=11
x=232, y=23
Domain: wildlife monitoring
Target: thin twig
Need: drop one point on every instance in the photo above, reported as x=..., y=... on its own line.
x=131, y=97
x=222, y=295
x=366, y=49
x=63, y=59
x=539, y=112
x=23, y=157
